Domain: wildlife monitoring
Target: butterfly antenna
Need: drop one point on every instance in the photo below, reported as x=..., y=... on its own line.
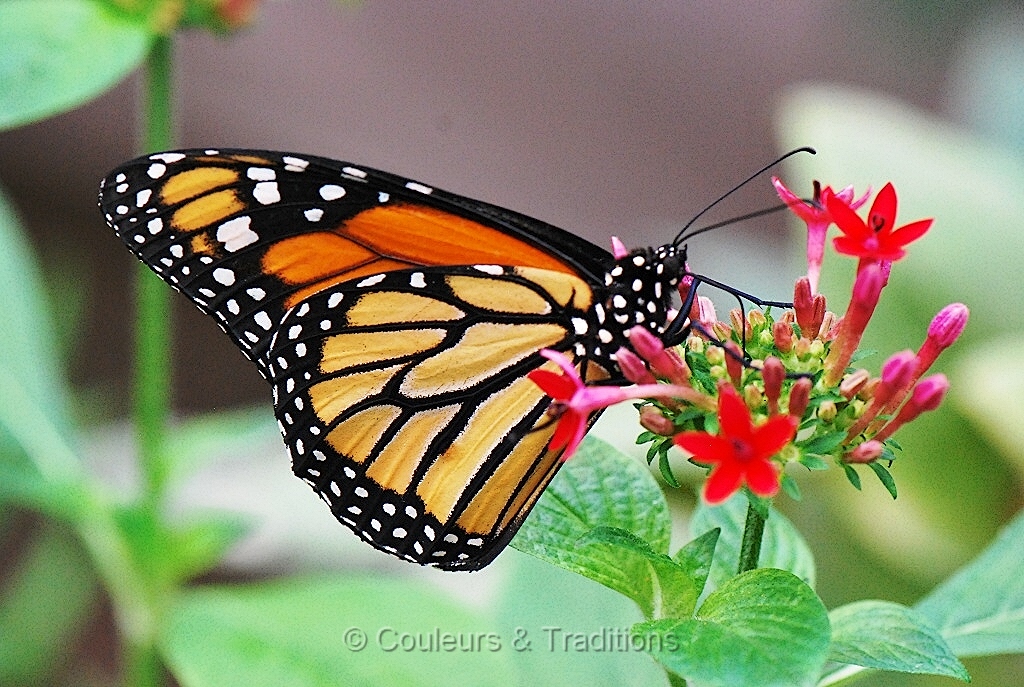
x=681, y=236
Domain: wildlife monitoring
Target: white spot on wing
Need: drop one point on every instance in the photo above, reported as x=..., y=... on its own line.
x=493, y=270
x=353, y=172
x=168, y=157
x=372, y=281
x=142, y=197
x=416, y=186
x=416, y=280
x=222, y=275
x=156, y=170
x=261, y=174
x=266, y=193
x=331, y=192
x=235, y=234
x=313, y=214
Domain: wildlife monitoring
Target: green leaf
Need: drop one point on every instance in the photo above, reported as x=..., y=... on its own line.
x=366, y=631
x=783, y=547
x=884, y=476
x=698, y=556
x=44, y=603
x=823, y=444
x=34, y=414
x=764, y=628
x=980, y=609
x=565, y=629
x=58, y=54
x=888, y=636
x=599, y=487
x=622, y=561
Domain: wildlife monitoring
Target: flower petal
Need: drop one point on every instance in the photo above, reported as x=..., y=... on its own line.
x=910, y=232
x=848, y=221
x=763, y=477
x=884, y=210
x=706, y=448
x=558, y=387
x=564, y=431
x=733, y=414
x=771, y=437
x=723, y=482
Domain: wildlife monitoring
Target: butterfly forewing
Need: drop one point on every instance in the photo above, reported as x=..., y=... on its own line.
x=248, y=234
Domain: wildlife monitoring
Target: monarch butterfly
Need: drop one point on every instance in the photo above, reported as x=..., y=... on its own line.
x=396, y=324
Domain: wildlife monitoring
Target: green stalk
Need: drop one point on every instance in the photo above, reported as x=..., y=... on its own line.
x=152, y=318
x=753, y=533
x=152, y=386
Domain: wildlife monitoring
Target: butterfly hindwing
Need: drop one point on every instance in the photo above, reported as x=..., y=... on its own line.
x=404, y=403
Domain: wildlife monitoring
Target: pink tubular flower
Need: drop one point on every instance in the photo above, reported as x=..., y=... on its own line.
x=945, y=328
x=665, y=363
x=817, y=218
x=877, y=239
x=574, y=402
x=897, y=372
x=742, y=452
x=866, y=289
x=927, y=395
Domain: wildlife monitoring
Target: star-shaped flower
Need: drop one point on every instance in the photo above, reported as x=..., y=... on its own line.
x=574, y=401
x=741, y=453
x=877, y=238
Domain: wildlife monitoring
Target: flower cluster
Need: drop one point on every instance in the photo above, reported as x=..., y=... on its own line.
x=745, y=396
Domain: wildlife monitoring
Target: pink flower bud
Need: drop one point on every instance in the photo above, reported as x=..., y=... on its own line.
x=653, y=420
x=633, y=367
x=782, y=334
x=896, y=372
x=948, y=324
x=866, y=452
x=927, y=395
x=733, y=363
x=853, y=383
x=799, y=397
x=773, y=373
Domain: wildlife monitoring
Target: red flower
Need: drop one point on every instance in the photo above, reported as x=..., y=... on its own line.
x=877, y=238
x=574, y=401
x=741, y=453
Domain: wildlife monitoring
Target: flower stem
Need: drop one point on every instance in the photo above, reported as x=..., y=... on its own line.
x=753, y=533
x=152, y=320
x=140, y=609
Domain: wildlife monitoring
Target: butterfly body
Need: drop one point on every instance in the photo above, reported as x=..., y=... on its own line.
x=396, y=324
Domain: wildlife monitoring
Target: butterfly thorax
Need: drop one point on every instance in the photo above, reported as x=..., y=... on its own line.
x=639, y=286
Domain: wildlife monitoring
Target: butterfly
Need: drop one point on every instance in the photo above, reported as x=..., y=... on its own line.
x=396, y=324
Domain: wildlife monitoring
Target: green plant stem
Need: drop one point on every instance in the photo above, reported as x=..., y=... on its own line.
x=152, y=319
x=152, y=386
x=750, y=546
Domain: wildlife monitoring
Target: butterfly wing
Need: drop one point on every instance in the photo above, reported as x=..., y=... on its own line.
x=247, y=235
x=404, y=403
x=396, y=322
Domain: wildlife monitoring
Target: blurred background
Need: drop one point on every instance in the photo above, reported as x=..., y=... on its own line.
x=605, y=119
